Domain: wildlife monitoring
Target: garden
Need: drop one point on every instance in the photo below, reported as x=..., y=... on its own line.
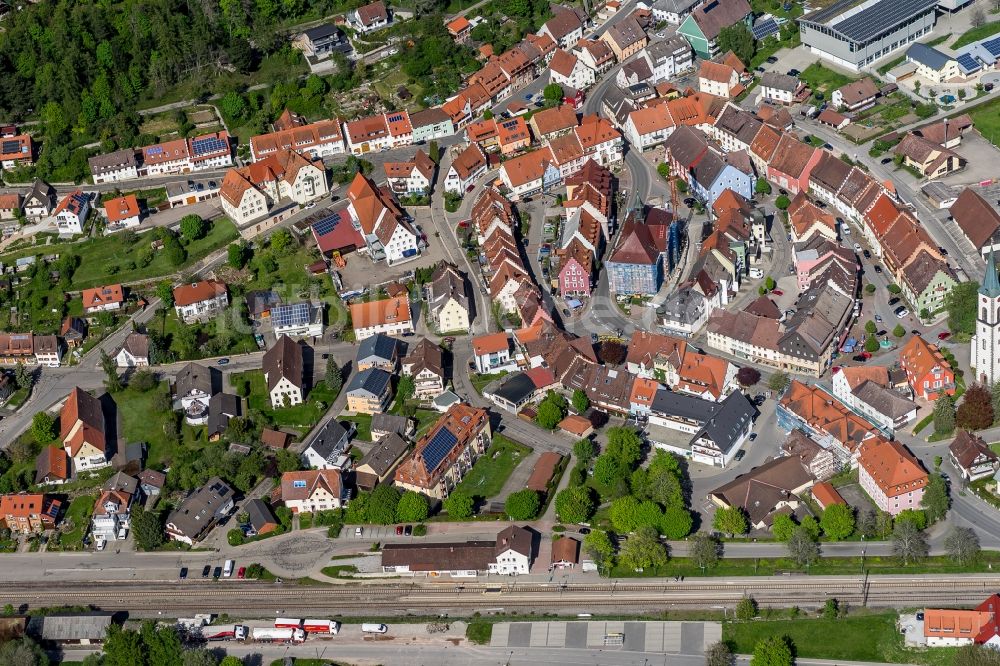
x=489, y=474
x=251, y=385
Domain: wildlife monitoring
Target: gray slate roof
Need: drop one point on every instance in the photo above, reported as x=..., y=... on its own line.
x=377, y=347
x=374, y=381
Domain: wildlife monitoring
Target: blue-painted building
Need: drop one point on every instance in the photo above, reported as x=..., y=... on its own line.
x=636, y=265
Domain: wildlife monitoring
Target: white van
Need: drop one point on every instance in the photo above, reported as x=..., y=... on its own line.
x=227, y=570
x=374, y=628
x=756, y=273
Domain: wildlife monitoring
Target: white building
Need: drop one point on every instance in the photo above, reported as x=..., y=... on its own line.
x=778, y=88
x=491, y=354
x=313, y=490
x=986, y=341
x=513, y=552
x=389, y=316
x=112, y=514
x=470, y=165
x=251, y=192
x=200, y=300
x=283, y=373
x=134, y=352
x=568, y=70
x=71, y=213
x=297, y=320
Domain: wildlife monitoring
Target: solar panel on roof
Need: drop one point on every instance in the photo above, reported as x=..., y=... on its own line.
x=395, y=118
x=438, y=448
x=154, y=150
x=208, y=145
x=325, y=226
x=295, y=314
x=872, y=21
x=993, y=46
x=10, y=147
x=968, y=63
x=765, y=28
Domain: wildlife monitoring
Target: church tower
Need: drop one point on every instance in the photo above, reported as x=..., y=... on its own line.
x=986, y=341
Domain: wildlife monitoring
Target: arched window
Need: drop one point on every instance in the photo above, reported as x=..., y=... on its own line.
x=983, y=317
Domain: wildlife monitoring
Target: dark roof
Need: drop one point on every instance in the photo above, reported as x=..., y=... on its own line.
x=378, y=346
x=728, y=422
x=779, y=81
x=331, y=441
x=284, y=359
x=383, y=422
x=384, y=454
x=759, y=490
x=927, y=55
x=321, y=32
x=201, y=509
x=514, y=538
x=884, y=401
x=261, y=301
x=221, y=408
x=151, y=477
x=260, y=514
x=73, y=627
x=966, y=447
x=517, y=389
x=372, y=380
x=425, y=355
x=684, y=406
x=119, y=159
x=122, y=481
x=194, y=376
x=467, y=556
x=871, y=21
x=976, y=217
x=923, y=269
x=715, y=15
x=764, y=307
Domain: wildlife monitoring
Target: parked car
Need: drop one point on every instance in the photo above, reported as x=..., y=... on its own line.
x=777, y=292
x=739, y=455
x=242, y=573
x=761, y=70
x=793, y=72
x=901, y=312
x=878, y=319
x=223, y=361
x=893, y=300
x=771, y=60
x=399, y=530
x=915, y=332
x=753, y=436
x=868, y=255
x=828, y=146
x=857, y=247
x=944, y=252
x=859, y=358
x=885, y=160
x=217, y=573
x=878, y=269
x=359, y=531
x=944, y=336
x=184, y=573
x=408, y=530
x=206, y=570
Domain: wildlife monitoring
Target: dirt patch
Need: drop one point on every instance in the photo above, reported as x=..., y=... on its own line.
x=201, y=116
x=454, y=641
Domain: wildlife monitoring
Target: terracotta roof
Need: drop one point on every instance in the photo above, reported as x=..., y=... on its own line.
x=513, y=131
x=765, y=143
x=791, y=156
x=824, y=413
x=951, y=623
x=566, y=549
x=918, y=357
x=542, y=472
x=859, y=374
x=381, y=312
x=276, y=439
x=458, y=25
x=714, y=71
x=293, y=488
x=528, y=167
x=298, y=138
x=646, y=346
x=52, y=464
x=764, y=307
x=373, y=12
x=643, y=391
x=375, y=209
x=945, y=130
x=72, y=202
x=892, y=467
x=81, y=421
x=98, y=296
x=576, y=425
x=121, y=208
x=469, y=161
x=555, y=119
x=826, y=494
x=196, y=292
x=562, y=62
x=10, y=201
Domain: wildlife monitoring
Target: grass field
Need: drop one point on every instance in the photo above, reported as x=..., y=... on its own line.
x=986, y=118
x=78, y=513
x=141, y=422
x=975, y=34
x=491, y=471
x=305, y=415
x=363, y=422
x=97, y=255
x=823, y=79
x=858, y=638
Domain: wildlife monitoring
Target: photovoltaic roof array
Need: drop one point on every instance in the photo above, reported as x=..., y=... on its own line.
x=208, y=145
x=765, y=28
x=327, y=225
x=439, y=447
x=871, y=21
x=294, y=314
x=968, y=63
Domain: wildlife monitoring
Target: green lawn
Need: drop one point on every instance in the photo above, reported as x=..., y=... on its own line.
x=490, y=473
x=479, y=382
x=223, y=335
x=336, y=570
x=107, y=258
x=975, y=34
x=986, y=118
x=18, y=397
x=153, y=196
x=823, y=79
x=141, y=422
x=858, y=638
x=79, y=512
x=364, y=425
x=304, y=415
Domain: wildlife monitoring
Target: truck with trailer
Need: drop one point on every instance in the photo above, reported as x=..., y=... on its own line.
x=287, y=623
x=223, y=632
x=268, y=635
x=321, y=627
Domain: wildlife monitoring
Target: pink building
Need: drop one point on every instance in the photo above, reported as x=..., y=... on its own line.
x=891, y=475
x=814, y=258
x=791, y=164
x=576, y=262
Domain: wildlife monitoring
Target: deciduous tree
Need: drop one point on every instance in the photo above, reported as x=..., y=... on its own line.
x=676, y=523
x=962, y=544
x=782, y=527
x=747, y=376
x=976, y=410
x=523, y=504
x=838, y=521
x=738, y=39
x=935, y=501
x=43, y=427
x=909, y=544
x=598, y=545
x=746, y=608
x=704, y=550
x=381, y=506
x=731, y=520
x=575, y=504
x=644, y=550
x=944, y=415
x=778, y=381
x=193, y=227
x=412, y=507
x=625, y=445
x=802, y=547
x=580, y=401
x=772, y=651
x=458, y=505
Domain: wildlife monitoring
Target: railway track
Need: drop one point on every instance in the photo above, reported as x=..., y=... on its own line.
x=264, y=598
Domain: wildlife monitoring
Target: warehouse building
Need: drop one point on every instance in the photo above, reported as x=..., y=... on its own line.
x=856, y=34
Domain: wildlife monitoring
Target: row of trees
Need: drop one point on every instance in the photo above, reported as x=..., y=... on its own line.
x=979, y=409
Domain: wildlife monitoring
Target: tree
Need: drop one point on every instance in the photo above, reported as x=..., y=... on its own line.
x=772, y=651
x=976, y=410
x=746, y=608
x=624, y=514
x=802, y=547
x=553, y=94
x=412, y=508
x=193, y=227
x=434, y=152
x=202, y=657
x=22, y=376
x=962, y=544
x=165, y=292
x=782, y=202
x=770, y=284
x=908, y=543
x=719, y=654
x=747, y=376
x=523, y=504
x=147, y=530
x=883, y=523
x=112, y=382
x=961, y=305
x=611, y=352
x=738, y=39
x=676, y=522
x=778, y=381
x=869, y=290
x=238, y=255
x=230, y=660
x=625, y=445
x=583, y=450
x=762, y=186
x=831, y=609
x=944, y=415
x=575, y=504
x=811, y=525
x=915, y=516
x=644, y=550
x=608, y=469
x=43, y=427
x=935, y=501
x=123, y=647
x=898, y=331
x=23, y=652
x=838, y=521
x=381, y=506
x=458, y=505
x=406, y=389
x=978, y=17
x=871, y=344
x=870, y=327
x=731, y=520
x=334, y=377
x=598, y=545
x=580, y=401
x=551, y=411
x=865, y=524
x=704, y=550
x=663, y=169
x=783, y=526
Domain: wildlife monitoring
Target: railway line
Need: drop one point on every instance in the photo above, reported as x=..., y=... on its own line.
x=250, y=598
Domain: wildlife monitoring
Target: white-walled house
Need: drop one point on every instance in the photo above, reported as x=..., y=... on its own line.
x=282, y=366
